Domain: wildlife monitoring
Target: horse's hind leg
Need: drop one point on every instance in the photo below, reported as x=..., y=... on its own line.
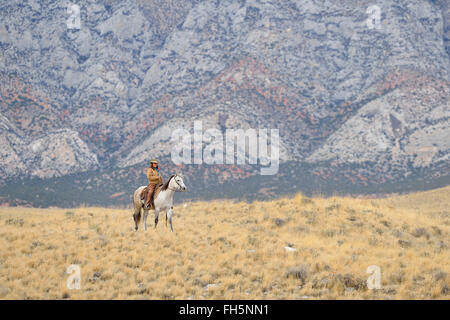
x=135, y=221
x=136, y=217
x=145, y=219
x=156, y=217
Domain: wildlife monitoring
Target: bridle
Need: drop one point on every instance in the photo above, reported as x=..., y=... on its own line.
x=177, y=184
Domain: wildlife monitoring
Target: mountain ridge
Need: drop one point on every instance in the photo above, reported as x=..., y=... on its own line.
x=108, y=95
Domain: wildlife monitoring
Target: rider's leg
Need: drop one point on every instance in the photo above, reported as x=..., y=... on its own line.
x=144, y=193
x=149, y=197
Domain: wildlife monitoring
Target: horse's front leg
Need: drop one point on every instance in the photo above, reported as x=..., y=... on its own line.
x=156, y=216
x=169, y=216
x=145, y=219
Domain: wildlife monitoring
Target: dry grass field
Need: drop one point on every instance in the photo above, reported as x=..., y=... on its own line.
x=291, y=248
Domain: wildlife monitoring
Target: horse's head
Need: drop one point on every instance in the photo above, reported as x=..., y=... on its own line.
x=177, y=183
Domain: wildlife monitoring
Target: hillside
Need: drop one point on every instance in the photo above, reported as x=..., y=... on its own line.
x=291, y=248
x=357, y=107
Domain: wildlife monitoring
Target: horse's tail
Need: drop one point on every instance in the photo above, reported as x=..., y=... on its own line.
x=137, y=205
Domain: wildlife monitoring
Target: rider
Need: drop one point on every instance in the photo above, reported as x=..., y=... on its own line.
x=154, y=178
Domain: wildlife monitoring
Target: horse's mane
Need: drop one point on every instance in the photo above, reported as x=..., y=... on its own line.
x=166, y=185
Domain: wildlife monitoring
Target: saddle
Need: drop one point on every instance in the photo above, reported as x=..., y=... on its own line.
x=154, y=195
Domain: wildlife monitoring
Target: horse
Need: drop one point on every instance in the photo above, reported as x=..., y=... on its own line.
x=162, y=201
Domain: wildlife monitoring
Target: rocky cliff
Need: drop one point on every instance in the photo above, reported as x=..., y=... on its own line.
x=365, y=101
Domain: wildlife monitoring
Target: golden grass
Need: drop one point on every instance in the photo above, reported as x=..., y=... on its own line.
x=226, y=250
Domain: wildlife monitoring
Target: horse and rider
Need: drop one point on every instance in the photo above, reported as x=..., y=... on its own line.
x=156, y=195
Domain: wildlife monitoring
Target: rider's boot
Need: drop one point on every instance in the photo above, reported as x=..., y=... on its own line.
x=148, y=200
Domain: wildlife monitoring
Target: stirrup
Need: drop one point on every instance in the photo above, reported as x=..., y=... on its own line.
x=147, y=207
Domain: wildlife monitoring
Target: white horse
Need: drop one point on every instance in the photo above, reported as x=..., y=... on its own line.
x=163, y=201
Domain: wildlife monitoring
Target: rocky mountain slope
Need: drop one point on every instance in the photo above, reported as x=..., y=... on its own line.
x=356, y=103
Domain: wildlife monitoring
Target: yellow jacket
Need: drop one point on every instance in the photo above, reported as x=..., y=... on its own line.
x=154, y=177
